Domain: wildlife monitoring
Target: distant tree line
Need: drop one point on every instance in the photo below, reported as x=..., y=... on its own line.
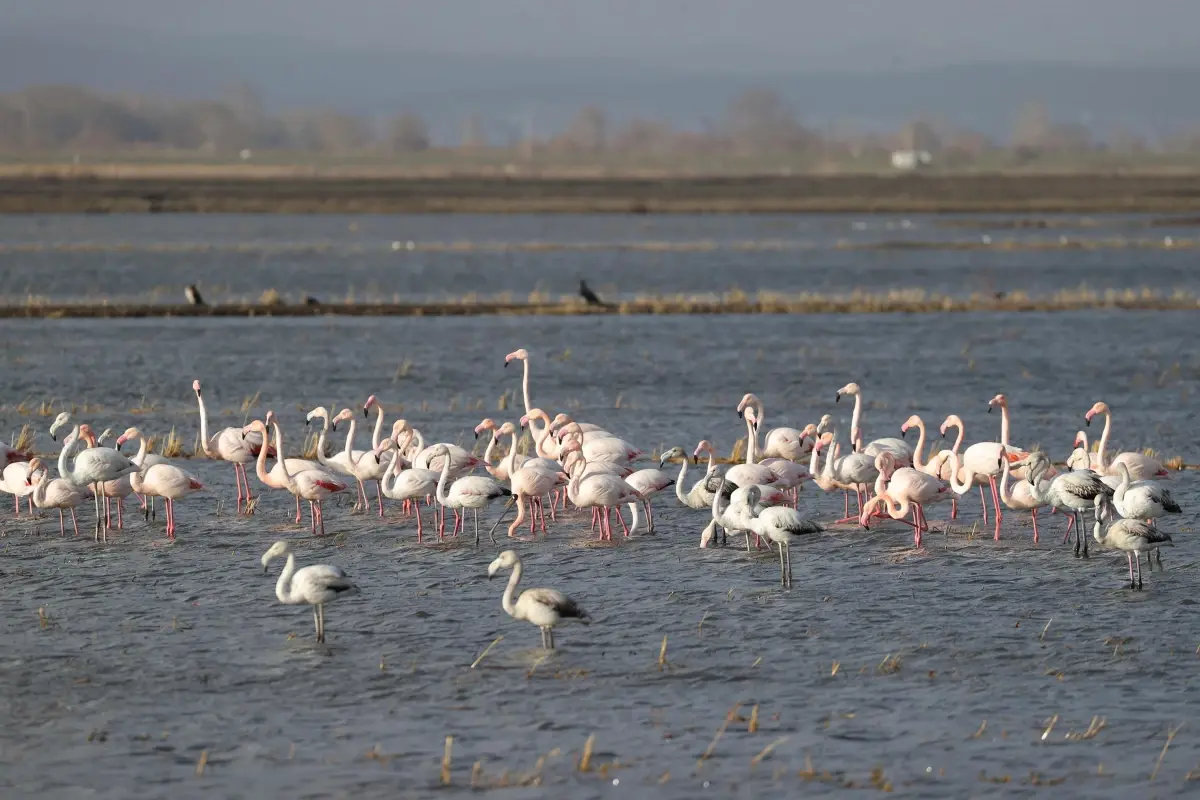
x=757, y=122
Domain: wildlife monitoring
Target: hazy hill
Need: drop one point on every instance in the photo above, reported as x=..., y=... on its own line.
x=511, y=93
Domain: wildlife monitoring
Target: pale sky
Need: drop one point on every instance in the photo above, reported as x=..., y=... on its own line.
x=689, y=35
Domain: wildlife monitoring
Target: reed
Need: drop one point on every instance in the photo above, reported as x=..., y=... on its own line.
x=24, y=439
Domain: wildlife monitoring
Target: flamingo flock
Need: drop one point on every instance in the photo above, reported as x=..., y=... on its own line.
x=575, y=465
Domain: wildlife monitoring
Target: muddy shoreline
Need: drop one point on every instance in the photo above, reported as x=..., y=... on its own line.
x=99, y=192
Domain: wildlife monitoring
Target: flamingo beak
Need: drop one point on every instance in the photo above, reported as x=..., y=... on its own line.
x=366, y=413
x=903, y=432
x=838, y=397
x=990, y=409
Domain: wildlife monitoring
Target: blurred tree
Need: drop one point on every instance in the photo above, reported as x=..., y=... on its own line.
x=407, y=133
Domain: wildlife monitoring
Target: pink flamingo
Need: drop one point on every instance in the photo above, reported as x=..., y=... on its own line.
x=786, y=443
x=1140, y=466
x=906, y=489
x=57, y=493
x=168, y=482
x=314, y=485
x=229, y=444
x=1001, y=402
x=471, y=491
x=15, y=481
x=407, y=485
x=528, y=484
x=1022, y=496
x=897, y=447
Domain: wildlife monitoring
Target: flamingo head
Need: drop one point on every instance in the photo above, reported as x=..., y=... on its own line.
x=487, y=425
x=506, y=560
x=319, y=411
x=537, y=413
x=371, y=402
x=196, y=387
x=674, y=452
x=751, y=416
x=130, y=433
x=86, y=432
x=912, y=422
x=999, y=400
x=507, y=429
x=749, y=399
x=344, y=415
x=255, y=425
x=1098, y=408
x=277, y=550
x=705, y=446
x=951, y=421
x=885, y=463
x=560, y=419
x=62, y=419
x=521, y=354
x=849, y=389
x=386, y=444
x=1080, y=440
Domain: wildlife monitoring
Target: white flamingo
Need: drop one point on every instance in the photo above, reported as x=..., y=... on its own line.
x=229, y=444
x=781, y=526
x=58, y=493
x=91, y=467
x=785, y=443
x=545, y=608
x=1140, y=466
x=313, y=485
x=316, y=585
x=897, y=447
x=1075, y=490
x=1132, y=536
x=472, y=491
x=407, y=485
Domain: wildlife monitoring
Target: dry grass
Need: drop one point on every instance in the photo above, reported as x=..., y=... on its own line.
x=172, y=446
x=270, y=297
x=24, y=439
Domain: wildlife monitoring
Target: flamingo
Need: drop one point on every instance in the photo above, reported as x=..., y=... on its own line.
x=751, y=472
x=855, y=471
x=699, y=496
x=781, y=526
x=1130, y=535
x=733, y=518
x=430, y=457
x=565, y=419
x=316, y=585
x=604, y=447
x=144, y=459
x=982, y=462
x=789, y=474
x=473, y=491
x=1022, y=496
x=1075, y=490
x=529, y=484
x=9, y=455
x=168, y=482
x=603, y=493
x=92, y=467
x=1001, y=402
x=407, y=485
x=314, y=485
x=897, y=447
x=1140, y=466
x=647, y=483
x=58, y=493
x=786, y=443
x=15, y=481
x=344, y=461
x=229, y=444
x=545, y=608
x=906, y=488
x=362, y=465
x=1146, y=500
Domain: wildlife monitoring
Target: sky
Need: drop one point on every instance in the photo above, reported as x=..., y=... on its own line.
x=689, y=36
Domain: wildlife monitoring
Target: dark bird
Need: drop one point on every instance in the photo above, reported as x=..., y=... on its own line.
x=193, y=295
x=309, y=300
x=591, y=297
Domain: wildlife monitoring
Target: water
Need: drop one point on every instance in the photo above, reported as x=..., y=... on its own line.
x=156, y=653
x=149, y=259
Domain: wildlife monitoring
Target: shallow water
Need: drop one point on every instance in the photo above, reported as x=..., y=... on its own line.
x=150, y=258
x=156, y=653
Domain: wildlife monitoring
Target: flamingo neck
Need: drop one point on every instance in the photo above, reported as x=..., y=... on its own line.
x=205, y=444
x=66, y=456
x=751, y=443
x=350, y=440
x=510, y=590
x=855, y=417
x=1102, y=451
x=279, y=457
x=143, y=447
x=377, y=434
x=959, y=488
x=680, y=481
x=510, y=460
x=283, y=586
x=441, y=484
x=1004, y=424
x=918, y=458
x=1005, y=493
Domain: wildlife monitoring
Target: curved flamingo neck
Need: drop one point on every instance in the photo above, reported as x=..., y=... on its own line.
x=205, y=444
x=66, y=456
x=510, y=590
x=751, y=443
x=1004, y=424
x=679, y=490
x=1103, y=449
x=918, y=459
x=349, y=441
x=377, y=434
x=142, y=451
x=510, y=460
x=440, y=492
x=283, y=586
x=1006, y=494
x=956, y=485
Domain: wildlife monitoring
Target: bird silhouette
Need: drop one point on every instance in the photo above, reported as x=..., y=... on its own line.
x=193, y=295
x=591, y=297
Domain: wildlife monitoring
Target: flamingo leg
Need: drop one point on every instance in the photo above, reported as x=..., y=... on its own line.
x=983, y=504
x=419, y=532
x=74, y=522
x=996, y=504
x=312, y=515
x=1129, y=559
x=379, y=496
x=62, y=528
x=1035, y=530
x=363, y=502
x=953, y=508
x=621, y=519
x=1070, y=525
x=237, y=479
x=1139, y=570
x=96, y=490
x=298, y=516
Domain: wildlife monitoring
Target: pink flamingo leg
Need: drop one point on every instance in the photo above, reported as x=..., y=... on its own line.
x=419, y=533
x=996, y=503
x=622, y=520
x=121, y=514
x=62, y=528
x=379, y=495
x=595, y=519
x=16, y=505
x=1035, y=530
x=298, y=516
x=983, y=504
x=237, y=479
x=170, y=516
x=312, y=515
x=1070, y=524
x=953, y=508
x=74, y=522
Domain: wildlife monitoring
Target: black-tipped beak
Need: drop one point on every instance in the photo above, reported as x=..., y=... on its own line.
x=306, y=421
x=477, y=435
x=990, y=409
x=264, y=569
x=366, y=413
x=837, y=398
x=695, y=459
x=333, y=427
x=943, y=434
x=118, y=447
x=54, y=437
x=1087, y=423
x=904, y=433
x=506, y=363
x=490, y=575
